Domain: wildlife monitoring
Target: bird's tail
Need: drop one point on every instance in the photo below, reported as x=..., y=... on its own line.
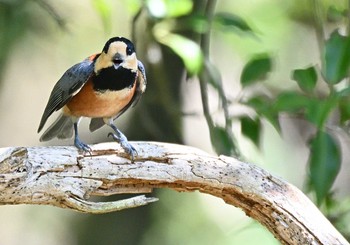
x=62, y=128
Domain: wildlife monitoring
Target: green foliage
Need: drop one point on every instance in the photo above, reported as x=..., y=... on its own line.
x=319, y=111
x=344, y=109
x=324, y=164
x=335, y=14
x=263, y=106
x=291, y=102
x=230, y=21
x=169, y=8
x=186, y=49
x=325, y=155
x=174, y=18
x=221, y=141
x=166, y=12
x=256, y=69
x=336, y=60
x=306, y=78
x=251, y=129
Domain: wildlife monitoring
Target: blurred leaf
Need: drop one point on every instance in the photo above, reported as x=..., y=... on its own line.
x=223, y=144
x=263, y=107
x=231, y=21
x=344, y=109
x=251, y=129
x=306, y=78
x=336, y=63
x=256, y=69
x=324, y=164
x=193, y=23
x=318, y=111
x=291, y=102
x=335, y=15
x=344, y=105
x=169, y=8
x=186, y=49
x=344, y=92
x=104, y=9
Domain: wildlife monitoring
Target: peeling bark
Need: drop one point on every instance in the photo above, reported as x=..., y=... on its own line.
x=59, y=176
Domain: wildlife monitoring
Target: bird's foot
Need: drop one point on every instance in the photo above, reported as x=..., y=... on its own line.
x=82, y=146
x=123, y=141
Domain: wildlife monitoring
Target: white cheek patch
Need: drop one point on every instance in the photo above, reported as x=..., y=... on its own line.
x=130, y=62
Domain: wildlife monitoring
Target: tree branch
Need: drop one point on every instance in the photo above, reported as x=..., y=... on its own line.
x=59, y=176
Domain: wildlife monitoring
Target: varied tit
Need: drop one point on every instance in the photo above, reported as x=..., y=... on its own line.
x=101, y=87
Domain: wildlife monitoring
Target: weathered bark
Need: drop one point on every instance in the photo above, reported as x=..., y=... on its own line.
x=59, y=176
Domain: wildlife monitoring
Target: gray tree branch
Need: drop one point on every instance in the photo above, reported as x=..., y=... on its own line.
x=59, y=176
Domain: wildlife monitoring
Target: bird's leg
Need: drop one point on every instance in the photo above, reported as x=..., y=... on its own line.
x=77, y=142
x=122, y=140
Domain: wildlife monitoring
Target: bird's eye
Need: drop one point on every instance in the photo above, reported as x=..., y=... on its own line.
x=128, y=51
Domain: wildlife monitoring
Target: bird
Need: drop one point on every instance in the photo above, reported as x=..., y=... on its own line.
x=101, y=87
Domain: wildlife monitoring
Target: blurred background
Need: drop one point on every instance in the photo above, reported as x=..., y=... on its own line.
x=41, y=39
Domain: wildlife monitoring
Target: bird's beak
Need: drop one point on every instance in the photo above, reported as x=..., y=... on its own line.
x=117, y=60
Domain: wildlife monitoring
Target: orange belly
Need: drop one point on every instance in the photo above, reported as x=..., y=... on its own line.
x=89, y=103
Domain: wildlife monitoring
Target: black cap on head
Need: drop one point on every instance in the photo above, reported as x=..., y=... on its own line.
x=130, y=46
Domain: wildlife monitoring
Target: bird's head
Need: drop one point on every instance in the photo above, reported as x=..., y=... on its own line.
x=118, y=51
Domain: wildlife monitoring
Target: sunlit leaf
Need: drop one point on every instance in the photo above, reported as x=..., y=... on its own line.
x=231, y=21
x=306, y=78
x=104, y=9
x=186, y=49
x=336, y=58
x=256, y=69
x=221, y=141
x=250, y=128
x=291, y=102
x=169, y=8
x=324, y=164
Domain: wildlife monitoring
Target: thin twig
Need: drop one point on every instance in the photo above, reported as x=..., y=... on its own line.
x=203, y=79
x=51, y=11
x=133, y=25
x=319, y=19
x=205, y=46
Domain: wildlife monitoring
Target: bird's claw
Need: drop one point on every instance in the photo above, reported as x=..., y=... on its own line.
x=82, y=146
x=128, y=148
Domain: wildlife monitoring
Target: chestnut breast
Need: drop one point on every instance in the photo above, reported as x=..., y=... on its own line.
x=89, y=102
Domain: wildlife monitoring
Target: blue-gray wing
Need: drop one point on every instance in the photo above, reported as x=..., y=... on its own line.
x=69, y=84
